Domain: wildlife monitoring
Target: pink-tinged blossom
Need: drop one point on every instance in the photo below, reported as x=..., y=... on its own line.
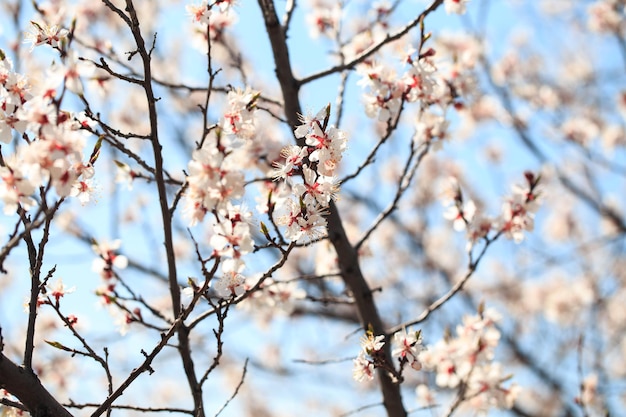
x=200, y=12
x=326, y=144
x=239, y=117
x=562, y=301
x=418, y=81
x=316, y=189
x=230, y=284
x=71, y=72
x=517, y=215
x=467, y=359
x=225, y=5
x=461, y=214
x=80, y=121
x=232, y=238
x=56, y=156
x=518, y=210
x=72, y=319
x=431, y=128
x=465, y=50
x=42, y=34
x=407, y=348
x=15, y=91
x=366, y=361
x=274, y=297
x=371, y=344
x=121, y=319
x=485, y=390
x=213, y=181
x=303, y=223
x=363, y=40
x=124, y=174
x=293, y=158
x=604, y=16
x=219, y=22
x=363, y=369
x=15, y=189
x=328, y=148
x=580, y=129
x=58, y=290
x=425, y=396
x=455, y=6
x=40, y=114
x=8, y=123
x=302, y=213
x=283, y=295
x=477, y=229
x=308, y=122
x=589, y=396
x=385, y=90
x=108, y=258
x=324, y=18
x=83, y=190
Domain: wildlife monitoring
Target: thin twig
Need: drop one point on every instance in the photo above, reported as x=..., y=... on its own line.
x=374, y=48
x=239, y=385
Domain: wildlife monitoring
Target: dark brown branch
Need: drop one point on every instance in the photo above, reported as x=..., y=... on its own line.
x=346, y=253
x=134, y=408
x=28, y=389
x=182, y=331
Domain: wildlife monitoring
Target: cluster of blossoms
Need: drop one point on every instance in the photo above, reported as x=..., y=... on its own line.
x=231, y=239
x=239, y=118
x=370, y=356
x=108, y=259
x=214, y=174
x=324, y=18
x=386, y=90
x=518, y=210
x=517, y=215
x=273, y=298
x=407, y=349
x=105, y=264
x=606, y=16
x=214, y=19
x=215, y=180
x=52, y=152
x=466, y=362
x=302, y=211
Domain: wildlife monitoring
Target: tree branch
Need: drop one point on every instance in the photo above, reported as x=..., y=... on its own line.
x=347, y=254
x=28, y=389
x=374, y=48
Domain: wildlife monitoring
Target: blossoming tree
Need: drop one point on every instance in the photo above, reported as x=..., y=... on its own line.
x=275, y=208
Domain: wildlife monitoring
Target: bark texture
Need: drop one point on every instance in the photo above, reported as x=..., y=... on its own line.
x=29, y=390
